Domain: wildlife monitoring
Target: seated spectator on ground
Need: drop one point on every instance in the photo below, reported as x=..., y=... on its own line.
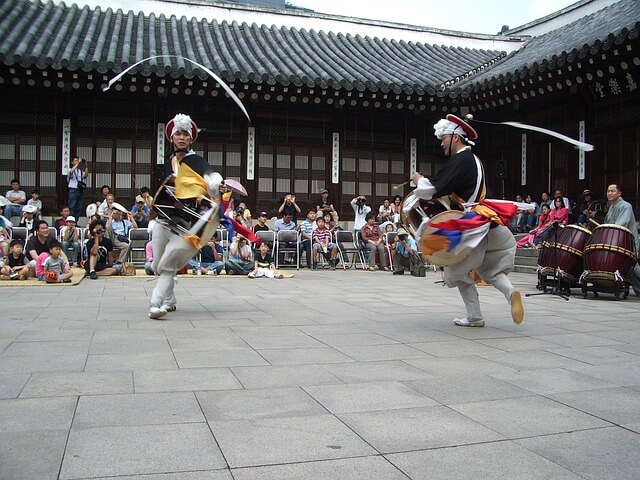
x=141, y=212
x=148, y=199
x=70, y=238
x=36, y=202
x=55, y=268
x=239, y=261
x=16, y=264
x=100, y=252
x=104, y=210
x=406, y=254
x=211, y=259
x=38, y=248
x=261, y=225
x=385, y=214
x=372, y=238
x=16, y=198
x=322, y=245
x=118, y=225
x=289, y=206
x=65, y=211
x=27, y=220
x=263, y=265
x=325, y=204
x=306, y=232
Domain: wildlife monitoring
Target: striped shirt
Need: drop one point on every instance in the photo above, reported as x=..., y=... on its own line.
x=322, y=236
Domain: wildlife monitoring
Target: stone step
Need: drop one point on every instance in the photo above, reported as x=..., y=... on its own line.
x=525, y=269
x=527, y=261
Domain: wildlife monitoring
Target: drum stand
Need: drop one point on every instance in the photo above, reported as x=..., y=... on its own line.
x=556, y=289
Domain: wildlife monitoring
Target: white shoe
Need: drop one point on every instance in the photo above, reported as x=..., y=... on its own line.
x=463, y=322
x=517, y=310
x=155, y=312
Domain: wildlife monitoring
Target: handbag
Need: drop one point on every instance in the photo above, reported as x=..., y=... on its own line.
x=128, y=270
x=81, y=185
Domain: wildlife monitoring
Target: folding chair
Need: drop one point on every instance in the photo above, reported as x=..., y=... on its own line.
x=20, y=233
x=53, y=233
x=222, y=236
x=284, y=237
x=389, y=237
x=138, y=238
x=347, y=245
x=268, y=236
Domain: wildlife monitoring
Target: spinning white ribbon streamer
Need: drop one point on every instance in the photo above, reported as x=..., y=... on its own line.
x=222, y=83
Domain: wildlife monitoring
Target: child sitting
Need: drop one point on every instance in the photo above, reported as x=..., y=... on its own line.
x=322, y=244
x=263, y=264
x=16, y=265
x=56, y=270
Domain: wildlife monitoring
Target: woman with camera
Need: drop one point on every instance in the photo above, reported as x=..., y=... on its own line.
x=76, y=183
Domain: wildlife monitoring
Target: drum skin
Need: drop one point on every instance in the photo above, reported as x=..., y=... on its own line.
x=412, y=219
x=565, y=253
x=610, y=249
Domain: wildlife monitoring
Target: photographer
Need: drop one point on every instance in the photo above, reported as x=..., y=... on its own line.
x=100, y=250
x=360, y=208
x=406, y=255
x=118, y=225
x=240, y=260
x=70, y=238
x=76, y=183
x=289, y=206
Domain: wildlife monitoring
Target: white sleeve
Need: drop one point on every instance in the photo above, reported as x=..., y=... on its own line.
x=425, y=189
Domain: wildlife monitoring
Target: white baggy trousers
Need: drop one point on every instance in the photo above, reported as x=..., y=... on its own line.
x=493, y=259
x=170, y=253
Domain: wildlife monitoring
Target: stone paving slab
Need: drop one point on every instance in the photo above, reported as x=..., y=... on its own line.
x=374, y=383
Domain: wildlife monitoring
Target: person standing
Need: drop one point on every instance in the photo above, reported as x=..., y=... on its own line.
x=621, y=213
x=194, y=179
x=462, y=178
x=76, y=183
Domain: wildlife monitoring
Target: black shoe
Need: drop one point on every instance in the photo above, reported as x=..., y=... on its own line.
x=314, y=266
x=398, y=272
x=93, y=275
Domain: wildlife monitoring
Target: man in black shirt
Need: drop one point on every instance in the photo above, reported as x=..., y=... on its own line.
x=100, y=251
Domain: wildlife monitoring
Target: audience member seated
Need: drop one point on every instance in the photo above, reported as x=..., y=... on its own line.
x=533, y=238
x=325, y=204
x=263, y=265
x=5, y=238
x=148, y=199
x=35, y=201
x=529, y=217
x=261, y=225
x=148, y=256
x=588, y=206
x=104, y=210
x=239, y=261
x=385, y=214
x=91, y=212
x=396, y=207
x=55, y=268
x=140, y=212
x=238, y=216
x=284, y=223
x=373, y=241
x=565, y=200
x=5, y=223
x=406, y=254
x=246, y=215
x=322, y=245
x=289, y=206
x=27, y=220
x=545, y=199
x=118, y=230
x=306, y=233
x=100, y=252
x=38, y=248
x=104, y=191
x=70, y=237
x=65, y=211
x=16, y=264
x=211, y=259
x=16, y=199
x=515, y=221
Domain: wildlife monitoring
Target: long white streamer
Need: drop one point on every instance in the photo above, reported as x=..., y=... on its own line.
x=222, y=83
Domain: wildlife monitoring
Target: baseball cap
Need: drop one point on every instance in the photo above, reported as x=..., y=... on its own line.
x=70, y=218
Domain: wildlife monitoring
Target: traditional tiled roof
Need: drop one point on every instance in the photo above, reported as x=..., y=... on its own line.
x=55, y=36
x=587, y=37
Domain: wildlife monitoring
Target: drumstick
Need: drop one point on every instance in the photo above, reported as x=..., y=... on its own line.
x=400, y=185
x=594, y=222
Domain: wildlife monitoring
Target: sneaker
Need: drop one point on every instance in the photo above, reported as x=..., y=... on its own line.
x=213, y=271
x=66, y=280
x=398, y=272
x=13, y=275
x=169, y=308
x=517, y=310
x=155, y=312
x=93, y=275
x=251, y=275
x=315, y=266
x=463, y=322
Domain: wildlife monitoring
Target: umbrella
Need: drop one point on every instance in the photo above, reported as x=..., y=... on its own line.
x=235, y=186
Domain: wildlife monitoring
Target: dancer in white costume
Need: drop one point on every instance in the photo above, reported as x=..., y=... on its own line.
x=196, y=183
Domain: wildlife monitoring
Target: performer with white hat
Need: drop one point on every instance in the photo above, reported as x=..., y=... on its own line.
x=195, y=181
x=462, y=179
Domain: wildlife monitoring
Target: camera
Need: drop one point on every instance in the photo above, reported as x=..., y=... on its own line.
x=99, y=232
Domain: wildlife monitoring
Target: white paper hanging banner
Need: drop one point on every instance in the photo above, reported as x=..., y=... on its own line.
x=335, y=158
x=251, y=153
x=66, y=146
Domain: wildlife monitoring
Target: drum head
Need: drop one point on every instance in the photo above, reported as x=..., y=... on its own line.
x=443, y=258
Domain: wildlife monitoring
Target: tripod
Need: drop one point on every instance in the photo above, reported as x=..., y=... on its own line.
x=556, y=289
